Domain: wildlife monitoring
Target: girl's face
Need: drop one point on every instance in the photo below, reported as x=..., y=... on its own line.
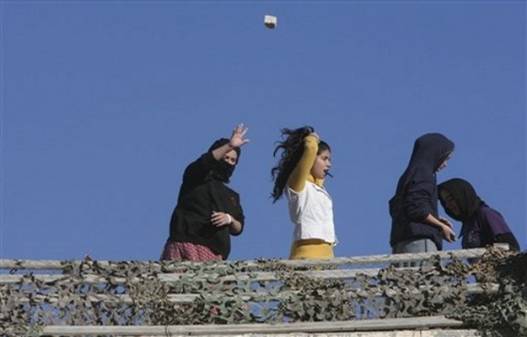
x=231, y=157
x=450, y=203
x=322, y=165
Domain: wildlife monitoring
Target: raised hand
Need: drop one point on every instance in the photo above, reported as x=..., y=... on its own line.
x=237, y=140
x=238, y=136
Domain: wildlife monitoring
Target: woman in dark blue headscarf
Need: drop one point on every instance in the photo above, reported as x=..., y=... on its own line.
x=482, y=225
x=416, y=226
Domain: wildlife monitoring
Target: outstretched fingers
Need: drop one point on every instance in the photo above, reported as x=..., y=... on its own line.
x=244, y=131
x=238, y=135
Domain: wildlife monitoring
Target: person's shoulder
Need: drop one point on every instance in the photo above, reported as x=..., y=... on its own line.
x=227, y=188
x=204, y=160
x=293, y=195
x=490, y=213
x=486, y=209
x=420, y=175
x=207, y=157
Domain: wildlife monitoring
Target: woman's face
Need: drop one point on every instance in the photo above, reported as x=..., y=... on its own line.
x=444, y=163
x=449, y=202
x=322, y=165
x=231, y=157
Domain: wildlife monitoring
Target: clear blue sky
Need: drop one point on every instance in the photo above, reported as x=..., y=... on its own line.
x=103, y=104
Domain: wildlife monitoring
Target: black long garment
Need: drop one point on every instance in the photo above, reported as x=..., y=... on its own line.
x=201, y=194
x=416, y=193
x=486, y=227
x=482, y=225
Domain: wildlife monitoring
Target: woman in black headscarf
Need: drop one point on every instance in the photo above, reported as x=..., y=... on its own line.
x=416, y=226
x=207, y=211
x=482, y=225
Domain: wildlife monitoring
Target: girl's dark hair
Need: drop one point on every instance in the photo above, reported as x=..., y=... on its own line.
x=292, y=149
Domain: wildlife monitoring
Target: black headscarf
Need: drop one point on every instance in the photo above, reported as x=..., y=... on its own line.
x=223, y=170
x=464, y=196
x=429, y=152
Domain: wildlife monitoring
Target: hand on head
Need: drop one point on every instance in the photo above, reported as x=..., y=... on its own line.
x=314, y=134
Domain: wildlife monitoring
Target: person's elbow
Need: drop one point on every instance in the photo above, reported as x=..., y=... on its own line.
x=235, y=232
x=311, y=143
x=236, y=228
x=417, y=213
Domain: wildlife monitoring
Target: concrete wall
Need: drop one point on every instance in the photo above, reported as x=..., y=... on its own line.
x=402, y=333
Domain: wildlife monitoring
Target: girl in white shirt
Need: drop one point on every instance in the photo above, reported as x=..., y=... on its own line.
x=305, y=161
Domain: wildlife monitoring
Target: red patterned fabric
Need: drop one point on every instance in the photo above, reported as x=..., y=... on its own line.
x=186, y=251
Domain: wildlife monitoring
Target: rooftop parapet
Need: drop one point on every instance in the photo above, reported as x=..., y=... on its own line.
x=463, y=289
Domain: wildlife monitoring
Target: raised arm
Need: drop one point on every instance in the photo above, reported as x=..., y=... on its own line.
x=237, y=140
x=198, y=170
x=297, y=179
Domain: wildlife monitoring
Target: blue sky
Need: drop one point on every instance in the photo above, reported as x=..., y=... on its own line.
x=103, y=104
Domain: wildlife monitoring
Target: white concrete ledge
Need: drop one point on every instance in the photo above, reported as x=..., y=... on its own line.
x=355, y=260
x=377, y=325
x=403, y=333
